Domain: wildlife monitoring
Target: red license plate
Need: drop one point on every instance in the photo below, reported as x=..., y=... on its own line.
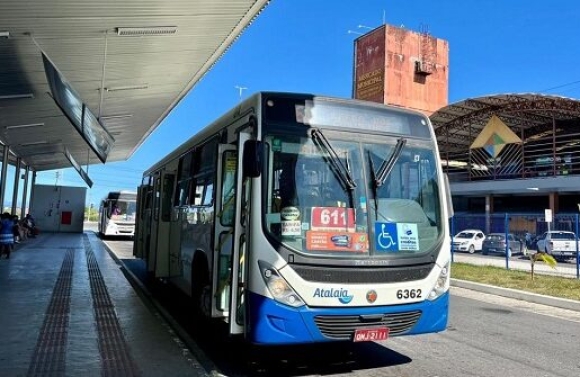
x=372, y=334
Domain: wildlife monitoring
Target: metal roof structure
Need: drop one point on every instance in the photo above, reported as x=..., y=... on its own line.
x=115, y=67
x=458, y=124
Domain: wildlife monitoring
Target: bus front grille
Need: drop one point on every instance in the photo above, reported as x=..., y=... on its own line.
x=354, y=275
x=342, y=327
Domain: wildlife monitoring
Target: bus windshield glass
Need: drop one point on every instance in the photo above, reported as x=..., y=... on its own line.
x=325, y=206
x=122, y=209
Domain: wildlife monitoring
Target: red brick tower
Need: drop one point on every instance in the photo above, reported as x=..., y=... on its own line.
x=400, y=67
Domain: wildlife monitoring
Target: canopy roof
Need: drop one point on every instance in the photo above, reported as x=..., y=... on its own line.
x=119, y=67
x=530, y=115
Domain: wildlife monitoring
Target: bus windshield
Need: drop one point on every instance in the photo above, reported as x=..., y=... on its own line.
x=122, y=209
x=327, y=200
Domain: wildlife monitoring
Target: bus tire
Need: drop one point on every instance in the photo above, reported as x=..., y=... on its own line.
x=200, y=287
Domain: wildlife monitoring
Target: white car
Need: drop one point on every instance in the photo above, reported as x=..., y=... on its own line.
x=470, y=240
x=559, y=244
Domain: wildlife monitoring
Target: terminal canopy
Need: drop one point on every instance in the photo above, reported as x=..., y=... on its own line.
x=510, y=137
x=85, y=82
x=529, y=115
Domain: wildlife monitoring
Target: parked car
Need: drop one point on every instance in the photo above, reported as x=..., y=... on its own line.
x=496, y=243
x=560, y=244
x=470, y=240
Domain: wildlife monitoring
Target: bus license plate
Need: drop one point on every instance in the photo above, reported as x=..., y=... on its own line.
x=372, y=334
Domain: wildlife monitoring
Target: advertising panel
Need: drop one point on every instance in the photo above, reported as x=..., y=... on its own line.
x=369, y=75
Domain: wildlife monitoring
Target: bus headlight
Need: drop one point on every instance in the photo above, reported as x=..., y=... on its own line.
x=278, y=286
x=442, y=283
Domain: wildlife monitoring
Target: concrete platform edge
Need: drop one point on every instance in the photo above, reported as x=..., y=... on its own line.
x=205, y=362
x=519, y=295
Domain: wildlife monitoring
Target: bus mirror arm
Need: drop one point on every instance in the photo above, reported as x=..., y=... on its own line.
x=252, y=158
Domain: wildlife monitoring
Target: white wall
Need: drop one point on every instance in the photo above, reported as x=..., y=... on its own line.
x=51, y=204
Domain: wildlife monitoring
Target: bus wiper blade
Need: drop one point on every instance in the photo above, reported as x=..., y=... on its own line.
x=389, y=163
x=374, y=177
x=342, y=171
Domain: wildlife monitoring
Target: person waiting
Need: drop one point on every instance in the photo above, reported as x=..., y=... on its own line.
x=17, y=229
x=6, y=234
x=30, y=225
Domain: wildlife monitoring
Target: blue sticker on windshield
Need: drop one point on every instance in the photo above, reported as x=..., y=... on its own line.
x=396, y=236
x=386, y=236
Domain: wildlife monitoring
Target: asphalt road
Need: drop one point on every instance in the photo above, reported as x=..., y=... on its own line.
x=487, y=336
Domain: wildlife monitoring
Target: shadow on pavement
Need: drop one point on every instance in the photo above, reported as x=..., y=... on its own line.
x=233, y=357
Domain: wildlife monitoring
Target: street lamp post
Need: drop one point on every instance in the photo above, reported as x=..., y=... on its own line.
x=241, y=89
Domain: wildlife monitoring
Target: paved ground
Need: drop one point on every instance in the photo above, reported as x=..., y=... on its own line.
x=69, y=310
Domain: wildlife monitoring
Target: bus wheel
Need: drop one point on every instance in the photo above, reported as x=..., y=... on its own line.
x=201, y=288
x=205, y=301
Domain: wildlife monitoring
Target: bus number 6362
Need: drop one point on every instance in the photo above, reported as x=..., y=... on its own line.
x=408, y=293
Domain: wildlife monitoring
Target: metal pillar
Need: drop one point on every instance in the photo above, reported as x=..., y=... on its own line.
x=32, y=191
x=16, y=184
x=24, y=192
x=488, y=212
x=554, y=202
x=3, y=176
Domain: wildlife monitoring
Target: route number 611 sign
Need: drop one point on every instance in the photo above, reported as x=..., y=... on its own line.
x=333, y=219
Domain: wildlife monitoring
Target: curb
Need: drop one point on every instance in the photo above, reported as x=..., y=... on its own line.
x=202, y=360
x=535, y=298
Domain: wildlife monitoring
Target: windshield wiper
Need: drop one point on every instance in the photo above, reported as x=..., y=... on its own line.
x=388, y=164
x=342, y=172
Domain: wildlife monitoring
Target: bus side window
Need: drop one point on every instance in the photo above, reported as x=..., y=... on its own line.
x=183, y=192
x=168, y=181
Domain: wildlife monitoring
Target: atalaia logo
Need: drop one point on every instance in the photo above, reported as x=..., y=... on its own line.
x=340, y=293
x=494, y=137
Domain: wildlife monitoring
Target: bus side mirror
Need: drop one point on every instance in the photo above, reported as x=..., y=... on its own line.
x=252, y=159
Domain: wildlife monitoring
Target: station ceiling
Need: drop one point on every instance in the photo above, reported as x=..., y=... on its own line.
x=529, y=115
x=127, y=62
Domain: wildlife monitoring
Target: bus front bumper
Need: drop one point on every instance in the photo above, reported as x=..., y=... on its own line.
x=273, y=323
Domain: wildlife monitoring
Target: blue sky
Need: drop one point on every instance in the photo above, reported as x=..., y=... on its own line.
x=496, y=46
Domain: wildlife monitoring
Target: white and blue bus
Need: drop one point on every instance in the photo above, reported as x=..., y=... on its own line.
x=117, y=213
x=300, y=218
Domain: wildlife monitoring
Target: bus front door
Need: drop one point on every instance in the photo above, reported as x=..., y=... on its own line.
x=229, y=266
x=224, y=229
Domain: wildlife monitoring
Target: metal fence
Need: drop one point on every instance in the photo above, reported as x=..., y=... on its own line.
x=518, y=225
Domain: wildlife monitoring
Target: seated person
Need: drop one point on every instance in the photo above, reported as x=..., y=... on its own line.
x=30, y=225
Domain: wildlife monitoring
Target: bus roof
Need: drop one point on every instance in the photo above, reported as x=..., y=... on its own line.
x=245, y=108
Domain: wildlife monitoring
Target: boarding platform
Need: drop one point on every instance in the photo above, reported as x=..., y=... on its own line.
x=67, y=308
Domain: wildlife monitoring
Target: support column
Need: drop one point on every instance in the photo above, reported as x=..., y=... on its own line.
x=488, y=212
x=24, y=193
x=32, y=191
x=554, y=202
x=3, y=176
x=16, y=184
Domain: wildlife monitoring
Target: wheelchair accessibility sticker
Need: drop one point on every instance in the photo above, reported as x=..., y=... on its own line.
x=396, y=236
